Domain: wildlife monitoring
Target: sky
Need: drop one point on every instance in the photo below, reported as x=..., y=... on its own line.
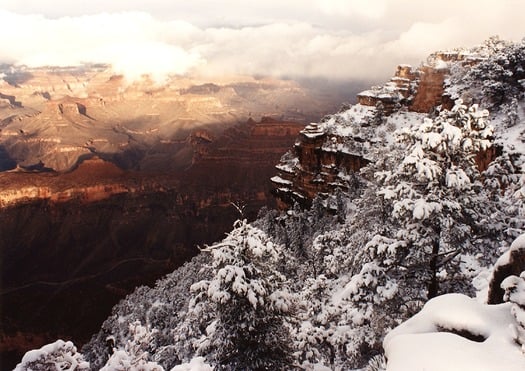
x=331, y=39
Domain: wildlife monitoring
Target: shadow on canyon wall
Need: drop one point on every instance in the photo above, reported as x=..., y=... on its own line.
x=65, y=265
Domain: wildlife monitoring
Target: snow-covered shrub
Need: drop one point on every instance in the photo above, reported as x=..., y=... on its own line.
x=163, y=308
x=60, y=355
x=135, y=354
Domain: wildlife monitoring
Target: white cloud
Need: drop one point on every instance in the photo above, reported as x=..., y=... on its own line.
x=374, y=9
x=310, y=38
x=134, y=43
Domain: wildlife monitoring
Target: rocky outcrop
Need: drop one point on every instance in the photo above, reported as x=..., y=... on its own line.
x=399, y=90
x=313, y=168
x=23, y=187
x=419, y=89
x=512, y=263
x=430, y=88
x=326, y=154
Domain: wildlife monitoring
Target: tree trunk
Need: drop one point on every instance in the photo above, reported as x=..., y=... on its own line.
x=433, y=285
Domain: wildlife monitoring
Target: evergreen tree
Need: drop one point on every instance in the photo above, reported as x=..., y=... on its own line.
x=437, y=200
x=250, y=302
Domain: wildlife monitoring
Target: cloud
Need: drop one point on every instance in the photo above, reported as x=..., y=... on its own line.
x=134, y=43
x=372, y=9
x=339, y=39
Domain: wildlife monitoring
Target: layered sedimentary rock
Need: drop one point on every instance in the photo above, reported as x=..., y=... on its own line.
x=106, y=183
x=312, y=167
x=326, y=154
x=53, y=117
x=85, y=238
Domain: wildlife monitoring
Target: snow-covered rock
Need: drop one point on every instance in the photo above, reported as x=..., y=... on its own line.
x=455, y=332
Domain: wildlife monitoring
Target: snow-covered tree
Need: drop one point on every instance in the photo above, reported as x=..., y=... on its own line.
x=343, y=321
x=497, y=80
x=247, y=295
x=163, y=309
x=436, y=199
x=418, y=230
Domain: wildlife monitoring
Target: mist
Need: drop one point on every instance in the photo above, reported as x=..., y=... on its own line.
x=334, y=40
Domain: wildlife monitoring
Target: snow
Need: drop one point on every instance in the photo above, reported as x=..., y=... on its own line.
x=196, y=364
x=512, y=138
x=368, y=93
x=518, y=244
x=424, y=209
x=457, y=178
x=452, y=133
x=427, y=342
x=312, y=135
x=277, y=179
x=431, y=140
x=61, y=354
x=315, y=367
x=313, y=131
x=288, y=163
x=440, y=64
x=345, y=124
x=389, y=91
x=515, y=289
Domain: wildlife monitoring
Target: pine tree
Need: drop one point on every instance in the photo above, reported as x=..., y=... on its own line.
x=248, y=297
x=437, y=199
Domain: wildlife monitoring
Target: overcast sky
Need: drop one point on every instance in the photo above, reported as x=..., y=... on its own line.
x=342, y=39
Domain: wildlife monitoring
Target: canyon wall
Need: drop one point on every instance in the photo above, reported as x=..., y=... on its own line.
x=72, y=244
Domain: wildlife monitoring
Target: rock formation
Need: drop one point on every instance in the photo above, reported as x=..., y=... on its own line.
x=327, y=153
x=53, y=117
x=512, y=263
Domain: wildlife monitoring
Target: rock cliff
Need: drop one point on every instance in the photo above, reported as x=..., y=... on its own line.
x=326, y=154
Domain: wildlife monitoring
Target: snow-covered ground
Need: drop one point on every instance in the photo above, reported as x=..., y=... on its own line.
x=434, y=339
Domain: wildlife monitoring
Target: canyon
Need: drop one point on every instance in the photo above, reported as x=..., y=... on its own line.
x=108, y=184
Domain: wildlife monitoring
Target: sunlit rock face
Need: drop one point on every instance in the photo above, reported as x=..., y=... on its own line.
x=106, y=184
x=52, y=118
